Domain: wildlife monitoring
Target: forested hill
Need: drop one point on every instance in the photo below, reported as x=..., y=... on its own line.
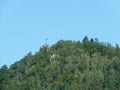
x=66, y=65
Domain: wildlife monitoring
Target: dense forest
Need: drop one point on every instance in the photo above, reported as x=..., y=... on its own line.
x=67, y=65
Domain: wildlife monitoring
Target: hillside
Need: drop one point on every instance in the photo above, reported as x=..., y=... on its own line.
x=66, y=65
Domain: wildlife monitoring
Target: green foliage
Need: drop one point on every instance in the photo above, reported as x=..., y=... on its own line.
x=66, y=65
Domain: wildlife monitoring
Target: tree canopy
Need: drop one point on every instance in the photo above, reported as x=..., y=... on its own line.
x=66, y=65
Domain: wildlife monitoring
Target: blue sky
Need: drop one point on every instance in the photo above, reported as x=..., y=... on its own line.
x=24, y=24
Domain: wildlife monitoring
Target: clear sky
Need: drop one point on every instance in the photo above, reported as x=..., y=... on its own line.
x=24, y=24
